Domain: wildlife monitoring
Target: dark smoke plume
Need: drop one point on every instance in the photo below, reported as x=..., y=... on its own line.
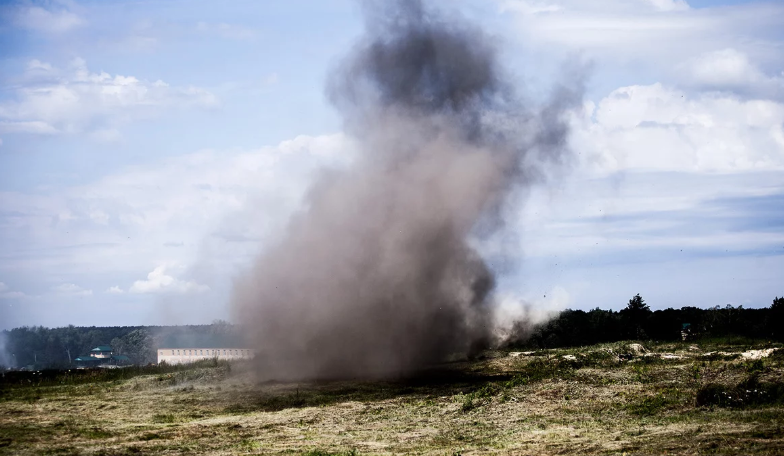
x=376, y=276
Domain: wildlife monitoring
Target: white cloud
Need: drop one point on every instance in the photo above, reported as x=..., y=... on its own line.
x=12, y=295
x=653, y=34
x=724, y=67
x=54, y=19
x=530, y=7
x=35, y=127
x=219, y=206
x=158, y=281
x=634, y=213
x=106, y=135
x=654, y=127
x=36, y=65
x=731, y=70
x=114, y=290
x=7, y=293
x=224, y=30
x=669, y=5
x=71, y=289
x=74, y=99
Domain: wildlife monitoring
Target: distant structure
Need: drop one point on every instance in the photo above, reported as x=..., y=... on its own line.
x=102, y=351
x=189, y=355
x=686, y=333
x=190, y=349
x=102, y=356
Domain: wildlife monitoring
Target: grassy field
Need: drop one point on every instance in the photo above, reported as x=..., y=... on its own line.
x=700, y=398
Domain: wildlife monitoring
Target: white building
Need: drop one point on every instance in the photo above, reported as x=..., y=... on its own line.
x=102, y=351
x=188, y=355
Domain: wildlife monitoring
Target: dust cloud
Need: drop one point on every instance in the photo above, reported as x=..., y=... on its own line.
x=376, y=276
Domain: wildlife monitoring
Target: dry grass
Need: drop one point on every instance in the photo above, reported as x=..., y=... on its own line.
x=528, y=404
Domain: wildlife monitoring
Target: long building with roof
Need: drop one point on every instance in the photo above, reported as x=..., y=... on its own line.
x=178, y=350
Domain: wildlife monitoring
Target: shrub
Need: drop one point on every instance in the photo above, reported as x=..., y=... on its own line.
x=750, y=392
x=468, y=403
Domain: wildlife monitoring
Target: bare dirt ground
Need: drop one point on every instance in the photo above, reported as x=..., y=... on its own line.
x=611, y=399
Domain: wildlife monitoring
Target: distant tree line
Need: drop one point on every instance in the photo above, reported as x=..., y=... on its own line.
x=40, y=347
x=638, y=322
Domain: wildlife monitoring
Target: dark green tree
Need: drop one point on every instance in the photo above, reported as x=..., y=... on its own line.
x=118, y=346
x=635, y=317
x=139, y=346
x=665, y=324
x=776, y=320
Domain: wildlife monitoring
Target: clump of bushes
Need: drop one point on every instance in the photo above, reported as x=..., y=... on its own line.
x=751, y=392
x=479, y=397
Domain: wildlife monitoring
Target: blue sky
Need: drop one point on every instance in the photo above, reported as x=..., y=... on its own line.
x=149, y=150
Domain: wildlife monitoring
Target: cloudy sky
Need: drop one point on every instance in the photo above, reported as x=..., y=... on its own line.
x=149, y=150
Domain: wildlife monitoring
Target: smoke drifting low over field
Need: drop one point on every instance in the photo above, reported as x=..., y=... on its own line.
x=376, y=276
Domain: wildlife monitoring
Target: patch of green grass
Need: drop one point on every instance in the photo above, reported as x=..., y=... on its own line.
x=317, y=452
x=93, y=433
x=164, y=418
x=728, y=343
x=487, y=391
x=542, y=369
x=277, y=402
x=469, y=403
x=66, y=449
x=642, y=373
x=694, y=372
x=248, y=445
x=754, y=366
x=656, y=359
x=516, y=380
x=652, y=405
x=597, y=358
x=150, y=436
x=768, y=433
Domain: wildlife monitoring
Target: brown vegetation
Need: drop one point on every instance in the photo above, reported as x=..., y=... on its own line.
x=579, y=401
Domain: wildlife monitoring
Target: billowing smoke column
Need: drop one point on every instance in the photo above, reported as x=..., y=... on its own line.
x=376, y=277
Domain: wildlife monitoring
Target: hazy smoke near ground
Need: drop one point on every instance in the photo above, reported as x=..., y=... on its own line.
x=5, y=357
x=376, y=277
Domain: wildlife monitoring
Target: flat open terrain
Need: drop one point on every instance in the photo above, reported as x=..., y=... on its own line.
x=609, y=399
